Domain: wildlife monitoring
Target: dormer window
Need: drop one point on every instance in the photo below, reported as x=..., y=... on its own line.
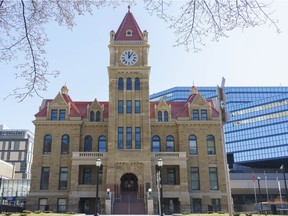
x=129, y=33
x=58, y=114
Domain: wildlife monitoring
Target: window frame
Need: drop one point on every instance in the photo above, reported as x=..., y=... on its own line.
x=120, y=84
x=129, y=106
x=195, y=114
x=137, y=85
x=102, y=144
x=195, y=179
x=159, y=116
x=128, y=137
x=62, y=114
x=156, y=144
x=211, y=147
x=47, y=144
x=137, y=106
x=193, y=145
x=137, y=137
x=129, y=84
x=120, y=136
x=65, y=143
x=204, y=114
x=54, y=114
x=170, y=144
x=63, y=178
x=213, y=178
x=44, y=178
x=88, y=143
x=120, y=106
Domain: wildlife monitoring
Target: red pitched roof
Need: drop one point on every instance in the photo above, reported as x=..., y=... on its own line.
x=78, y=109
x=129, y=23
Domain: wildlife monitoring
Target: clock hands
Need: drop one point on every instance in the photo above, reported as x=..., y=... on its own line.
x=129, y=54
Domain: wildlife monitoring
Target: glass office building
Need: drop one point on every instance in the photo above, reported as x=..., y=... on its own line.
x=256, y=134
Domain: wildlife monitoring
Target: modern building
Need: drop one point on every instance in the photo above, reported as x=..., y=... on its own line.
x=128, y=135
x=16, y=148
x=256, y=134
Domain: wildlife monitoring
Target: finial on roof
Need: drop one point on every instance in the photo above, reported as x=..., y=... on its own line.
x=128, y=8
x=64, y=90
x=193, y=89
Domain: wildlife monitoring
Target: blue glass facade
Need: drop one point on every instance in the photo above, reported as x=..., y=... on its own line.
x=257, y=130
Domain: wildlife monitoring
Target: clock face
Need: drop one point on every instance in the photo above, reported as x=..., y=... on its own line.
x=129, y=57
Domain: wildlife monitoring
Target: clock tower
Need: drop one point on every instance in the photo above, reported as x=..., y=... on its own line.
x=129, y=155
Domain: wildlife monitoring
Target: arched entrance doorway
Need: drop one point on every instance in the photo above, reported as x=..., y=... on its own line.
x=129, y=182
x=130, y=202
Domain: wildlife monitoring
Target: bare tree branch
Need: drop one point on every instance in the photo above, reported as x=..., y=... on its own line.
x=23, y=34
x=199, y=19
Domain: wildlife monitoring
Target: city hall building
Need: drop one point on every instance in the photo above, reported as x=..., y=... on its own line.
x=129, y=134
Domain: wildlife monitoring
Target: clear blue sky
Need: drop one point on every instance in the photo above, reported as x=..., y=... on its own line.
x=253, y=57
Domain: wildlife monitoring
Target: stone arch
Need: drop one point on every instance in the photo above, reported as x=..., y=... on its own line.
x=129, y=182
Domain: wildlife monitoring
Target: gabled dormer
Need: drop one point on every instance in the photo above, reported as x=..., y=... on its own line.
x=199, y=108
x=95, y=111
x=59, y=108
x=162, y=111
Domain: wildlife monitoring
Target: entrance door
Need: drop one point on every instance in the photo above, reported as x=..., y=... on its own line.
x=129, y=182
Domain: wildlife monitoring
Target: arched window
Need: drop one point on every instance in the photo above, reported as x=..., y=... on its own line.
x=88, y=144
x=155, y=144
x=102, y=144
x=65, y=141
x=129, y=84
x=159, y=116
x=193, y=148
x=137, y=83
x=170, y=144
x=98, y=116
x=47, y=143
x=211, y=150
x=92, y=116
x=120, y=84
x=165, y=116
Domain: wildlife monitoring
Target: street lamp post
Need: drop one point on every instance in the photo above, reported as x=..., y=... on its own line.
x=159, y=185
x=260, y=199
x=98, y=165
x=283, y=171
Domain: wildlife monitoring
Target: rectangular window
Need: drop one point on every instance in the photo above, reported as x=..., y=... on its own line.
x=62, y=113
x=213, y=178
x=195, y=179
x=137, y=106
x=54, y=114
x=43, y=204
x=16, y=145
x=63, y=178
x=61, y=205
x=204, y=114
x=137, y=137
x=197, y=205
x=44, y=180
x=128, y=138
x=120, y=137
x=120, y=106
x=216, y=205
x=129, y=106
x=195, y=115
x=87, y=176
x=171, y=176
